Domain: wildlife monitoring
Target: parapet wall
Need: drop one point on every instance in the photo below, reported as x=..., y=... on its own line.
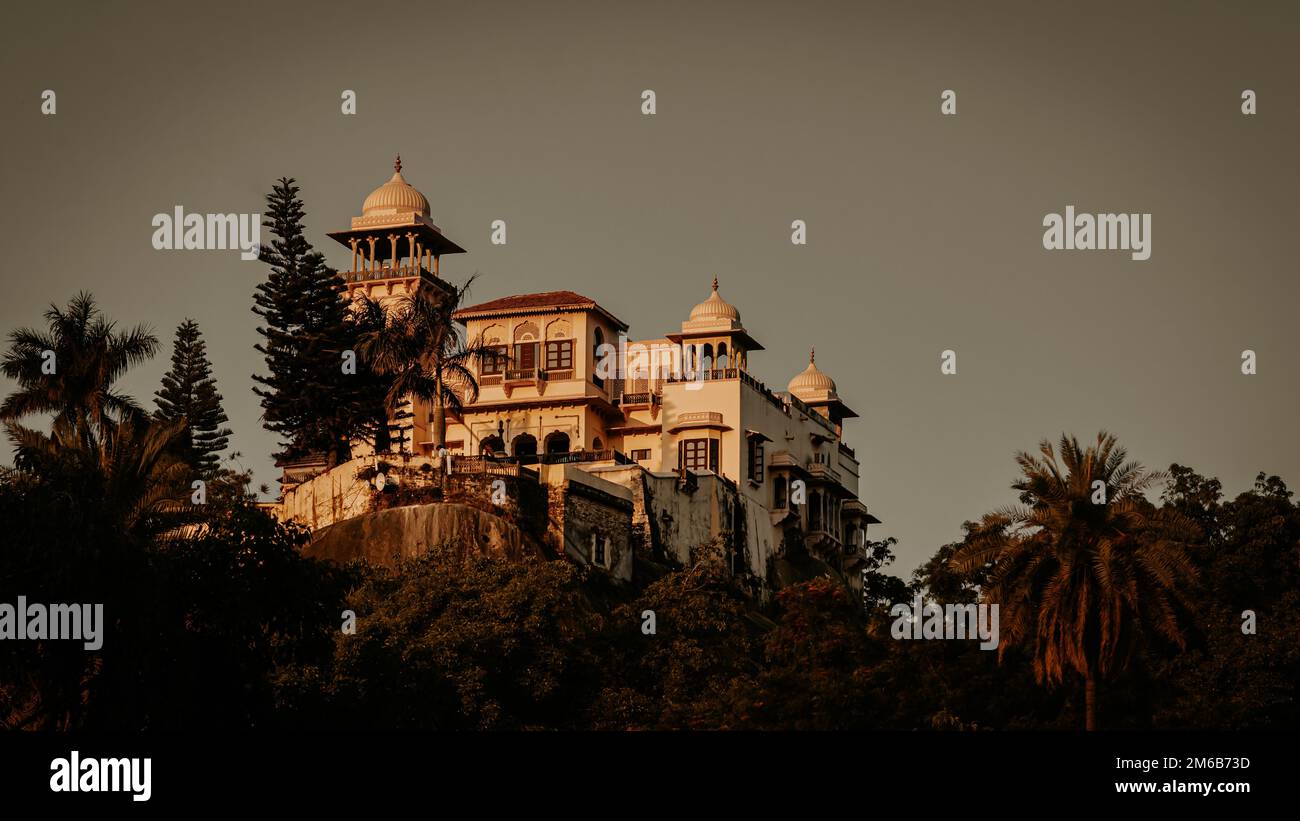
x=331, y=497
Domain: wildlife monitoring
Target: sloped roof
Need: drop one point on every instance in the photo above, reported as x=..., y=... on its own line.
x=545, y=302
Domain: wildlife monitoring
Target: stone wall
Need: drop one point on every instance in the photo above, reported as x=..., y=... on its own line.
x=590, y=516
x=672, y=517
x=332, y=496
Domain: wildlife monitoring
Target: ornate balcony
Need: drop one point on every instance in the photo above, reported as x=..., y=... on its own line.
x=641, y=399
x=385, y=272
x=820, y=470
x=525, y=374
x=491, y=467
x=524, y=377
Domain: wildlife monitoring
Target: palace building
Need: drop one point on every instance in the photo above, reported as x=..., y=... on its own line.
x=640, y=451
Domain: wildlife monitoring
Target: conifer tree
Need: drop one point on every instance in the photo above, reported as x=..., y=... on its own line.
x=189, y=391
x=308, y=398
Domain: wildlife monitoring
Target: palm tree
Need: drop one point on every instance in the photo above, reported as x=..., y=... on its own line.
x=138, y=477
x=1082, y=570
x=100, y=440
x=425, y=353
x=69, y=369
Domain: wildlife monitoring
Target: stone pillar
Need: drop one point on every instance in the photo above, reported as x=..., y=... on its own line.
x=410, y=247
x=371, y=266
x=353, y=243
x=392, y=250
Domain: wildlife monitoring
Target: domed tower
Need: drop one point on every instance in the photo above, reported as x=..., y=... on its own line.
x=393, y=242
x=817, y=390
x=395, y=247
x=713, y=339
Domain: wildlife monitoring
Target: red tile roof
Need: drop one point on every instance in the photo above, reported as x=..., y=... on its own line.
x=545, y=302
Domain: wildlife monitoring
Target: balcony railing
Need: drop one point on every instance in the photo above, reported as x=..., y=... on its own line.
x=718, y=375
x=488, y=466
x=581, y=456
x=525, y=375
x=383, y=273
x=817, y=530
x=821, y=470
x=641, y=399
x=569, y=457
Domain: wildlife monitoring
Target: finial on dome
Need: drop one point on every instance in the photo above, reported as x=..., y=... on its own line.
x=812, y=383
x=396, y=196
x=715, y=308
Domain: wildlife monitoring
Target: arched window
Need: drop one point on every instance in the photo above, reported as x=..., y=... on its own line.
x=780, y=496
x=722, y=356
x=557, y=443
x=492, y=446
x=596, y=444
x=526, y=344
x=525, y=444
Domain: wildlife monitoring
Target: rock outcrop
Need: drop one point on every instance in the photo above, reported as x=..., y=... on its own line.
x=386, y=537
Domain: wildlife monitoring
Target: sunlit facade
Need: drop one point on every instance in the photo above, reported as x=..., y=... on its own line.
x=564, y=384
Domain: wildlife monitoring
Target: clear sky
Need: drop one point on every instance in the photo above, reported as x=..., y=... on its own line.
x=924, y=231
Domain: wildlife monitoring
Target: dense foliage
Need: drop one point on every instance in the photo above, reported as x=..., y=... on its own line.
x=1190, y=607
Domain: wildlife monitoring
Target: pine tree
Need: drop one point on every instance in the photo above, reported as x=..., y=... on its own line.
x=307, y=398
x=189, y=391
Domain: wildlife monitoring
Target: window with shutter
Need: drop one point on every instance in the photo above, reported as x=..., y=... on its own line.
x=559, y=355
x=756, y=460
x=494, y=360
x=697, y=453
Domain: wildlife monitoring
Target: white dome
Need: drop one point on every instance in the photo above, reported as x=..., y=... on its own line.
x=812, y=382
x=397, y=196
x=715, y=307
